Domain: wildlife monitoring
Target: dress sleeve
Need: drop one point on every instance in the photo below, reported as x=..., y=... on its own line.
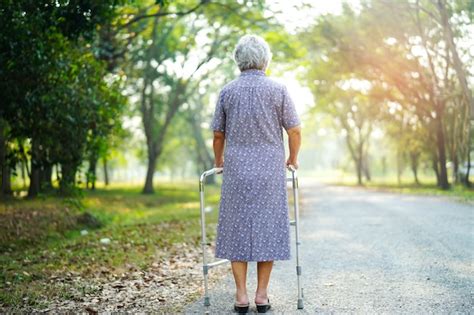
x=218, y=121
x=290, y=117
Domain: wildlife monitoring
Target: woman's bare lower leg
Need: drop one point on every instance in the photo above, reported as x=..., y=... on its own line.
x=264, y=269
x=239, y=269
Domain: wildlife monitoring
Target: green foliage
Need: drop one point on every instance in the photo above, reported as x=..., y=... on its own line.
x=393, y=55
x=54, y=88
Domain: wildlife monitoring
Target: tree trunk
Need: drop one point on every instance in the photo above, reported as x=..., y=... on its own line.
x=6, y=188
x=414, y=166
x=148, y=113
x=399, y=167
x=92, y=172
x=455, y=161
x=58, y=174
x=106, y=171
x=152, y=156
x=68, y=179
x=359, y=164
x=366, y=168
x=45, y=177
x=355, y=152
x=34, y=188
x=23, y=173
x=6, y=182
x=440, y=144
x=467, y=182
x=435, y=166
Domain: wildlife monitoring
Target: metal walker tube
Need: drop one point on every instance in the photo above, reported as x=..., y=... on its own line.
x=294, y=179
x=205, y=265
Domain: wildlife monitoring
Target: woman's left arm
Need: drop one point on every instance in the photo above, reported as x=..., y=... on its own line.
x=218, y=144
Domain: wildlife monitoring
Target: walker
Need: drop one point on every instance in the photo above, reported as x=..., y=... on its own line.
x=206, y=266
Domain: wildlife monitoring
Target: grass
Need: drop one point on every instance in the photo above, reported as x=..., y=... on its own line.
x=42, y=237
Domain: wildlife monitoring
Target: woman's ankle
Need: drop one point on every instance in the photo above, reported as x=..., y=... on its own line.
x=261, y=296
x=241, y=296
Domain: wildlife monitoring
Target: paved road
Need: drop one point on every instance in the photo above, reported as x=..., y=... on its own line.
x=372, y=252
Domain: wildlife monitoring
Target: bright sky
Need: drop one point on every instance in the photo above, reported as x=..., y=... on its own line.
x=299, y=15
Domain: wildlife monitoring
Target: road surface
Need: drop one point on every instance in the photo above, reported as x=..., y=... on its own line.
x=371, y=252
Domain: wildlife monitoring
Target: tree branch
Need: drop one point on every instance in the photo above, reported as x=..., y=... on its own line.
x=159, y=14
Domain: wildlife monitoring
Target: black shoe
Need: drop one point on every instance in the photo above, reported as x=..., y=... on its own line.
x=241, y=308
x=263, y=308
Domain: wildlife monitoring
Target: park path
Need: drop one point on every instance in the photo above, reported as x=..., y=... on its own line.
x=371, y=252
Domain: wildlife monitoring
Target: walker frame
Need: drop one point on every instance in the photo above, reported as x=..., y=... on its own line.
x=206, y=266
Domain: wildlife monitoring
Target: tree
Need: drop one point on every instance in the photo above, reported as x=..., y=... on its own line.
x=338, y=87
x=407, y=57
x=51, y=82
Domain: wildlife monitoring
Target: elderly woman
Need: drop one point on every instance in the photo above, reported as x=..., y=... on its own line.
x=248, y=122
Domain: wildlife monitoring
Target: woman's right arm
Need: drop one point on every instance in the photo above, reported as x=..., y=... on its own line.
x=292, y=124
x=294, y=144
x=218, y=145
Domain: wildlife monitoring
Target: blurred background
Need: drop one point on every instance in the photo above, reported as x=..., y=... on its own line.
x=106, y=107
x=97, y=93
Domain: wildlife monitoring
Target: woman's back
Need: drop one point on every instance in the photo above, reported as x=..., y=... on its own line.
x=252, y=110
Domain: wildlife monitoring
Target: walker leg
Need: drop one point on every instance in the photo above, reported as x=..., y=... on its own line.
x=205, y=267
x=300, y=304
x=297, y=239
x=207, y=301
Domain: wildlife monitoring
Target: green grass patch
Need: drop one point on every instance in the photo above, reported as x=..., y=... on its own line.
x=42, y=237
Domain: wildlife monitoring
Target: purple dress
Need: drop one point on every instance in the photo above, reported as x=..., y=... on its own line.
x=253, y=222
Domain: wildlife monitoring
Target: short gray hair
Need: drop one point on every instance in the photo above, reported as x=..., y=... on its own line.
x=252, y=52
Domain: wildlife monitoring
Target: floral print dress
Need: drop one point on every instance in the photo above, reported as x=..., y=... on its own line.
x=253, y=222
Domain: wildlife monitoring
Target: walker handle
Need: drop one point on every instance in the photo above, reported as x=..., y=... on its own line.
x=215, y=170
x=291, y=168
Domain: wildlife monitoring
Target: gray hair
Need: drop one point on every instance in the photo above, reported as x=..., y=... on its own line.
x=252, y=52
